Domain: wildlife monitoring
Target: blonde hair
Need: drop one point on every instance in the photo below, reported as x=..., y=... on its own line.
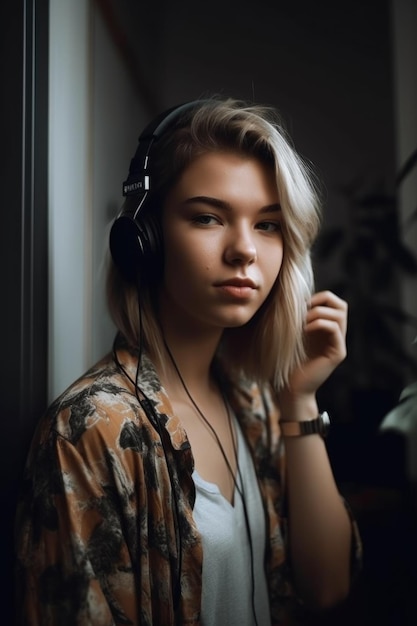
x=270, y=345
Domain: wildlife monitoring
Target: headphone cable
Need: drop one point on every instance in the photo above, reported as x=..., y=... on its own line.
x=239, y=488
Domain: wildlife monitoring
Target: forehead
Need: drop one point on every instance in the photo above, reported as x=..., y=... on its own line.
x=227, y=175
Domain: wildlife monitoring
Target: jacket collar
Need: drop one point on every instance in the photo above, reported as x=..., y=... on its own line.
x=153, y=397
x=244, y=397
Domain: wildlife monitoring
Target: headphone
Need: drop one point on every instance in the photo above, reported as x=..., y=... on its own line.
x=135, y=237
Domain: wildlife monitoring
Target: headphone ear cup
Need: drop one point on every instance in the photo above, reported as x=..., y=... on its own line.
x=135, y=246
x=151, y=248
x=135, y=236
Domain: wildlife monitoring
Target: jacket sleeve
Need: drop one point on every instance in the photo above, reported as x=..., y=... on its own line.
x=73, y=562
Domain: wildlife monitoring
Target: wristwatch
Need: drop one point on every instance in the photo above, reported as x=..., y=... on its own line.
x=320, y=425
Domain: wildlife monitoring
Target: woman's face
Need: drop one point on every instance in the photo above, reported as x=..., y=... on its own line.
x=222, y=240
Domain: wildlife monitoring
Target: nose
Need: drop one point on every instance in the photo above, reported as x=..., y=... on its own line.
x=240, y=247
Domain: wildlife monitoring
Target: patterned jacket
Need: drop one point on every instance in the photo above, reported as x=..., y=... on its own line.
x=105, y=532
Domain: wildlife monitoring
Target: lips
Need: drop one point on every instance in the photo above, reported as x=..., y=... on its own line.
x=237, y=289
x=238, y=282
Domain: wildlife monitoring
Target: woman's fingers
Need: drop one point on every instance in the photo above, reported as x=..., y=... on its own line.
x=325, y=305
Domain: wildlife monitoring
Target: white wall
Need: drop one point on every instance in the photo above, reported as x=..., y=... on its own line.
x=94, y=116
x=116, y=124
x=69, y=200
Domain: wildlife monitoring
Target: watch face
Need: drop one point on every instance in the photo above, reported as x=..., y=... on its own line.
x=320, y=425
x=324, y=423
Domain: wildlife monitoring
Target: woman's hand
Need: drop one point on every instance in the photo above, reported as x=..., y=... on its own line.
x=325, y=341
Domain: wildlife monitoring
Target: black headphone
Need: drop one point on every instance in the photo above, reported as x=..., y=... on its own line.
x=135, y=239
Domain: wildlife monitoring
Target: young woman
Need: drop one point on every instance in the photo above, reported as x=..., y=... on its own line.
x=184, y=479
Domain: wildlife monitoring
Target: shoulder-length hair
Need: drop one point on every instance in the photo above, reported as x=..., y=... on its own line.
x=271, y=344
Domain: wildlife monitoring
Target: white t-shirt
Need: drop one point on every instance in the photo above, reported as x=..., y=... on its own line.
x=227, y=569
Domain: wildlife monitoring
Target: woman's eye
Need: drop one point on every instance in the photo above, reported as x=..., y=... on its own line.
x=206, y=220
x=270, y=227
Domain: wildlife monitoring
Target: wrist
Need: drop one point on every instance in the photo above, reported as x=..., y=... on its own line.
x=296, y=408
x=318, y=426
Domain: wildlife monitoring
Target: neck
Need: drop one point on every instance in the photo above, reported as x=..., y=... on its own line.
x=192, y=358
x=192, y=353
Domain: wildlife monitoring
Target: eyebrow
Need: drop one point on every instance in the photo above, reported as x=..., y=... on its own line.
x=222, y=204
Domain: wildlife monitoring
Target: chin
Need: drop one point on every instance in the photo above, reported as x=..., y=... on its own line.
x=238, y=321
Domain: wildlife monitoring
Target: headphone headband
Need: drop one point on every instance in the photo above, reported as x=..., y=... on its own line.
x=137, y=180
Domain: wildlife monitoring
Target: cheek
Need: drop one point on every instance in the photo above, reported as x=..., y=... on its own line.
x=190, y=253
x=187, y=263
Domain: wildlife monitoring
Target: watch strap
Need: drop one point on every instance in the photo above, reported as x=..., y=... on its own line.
x=319, y=425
